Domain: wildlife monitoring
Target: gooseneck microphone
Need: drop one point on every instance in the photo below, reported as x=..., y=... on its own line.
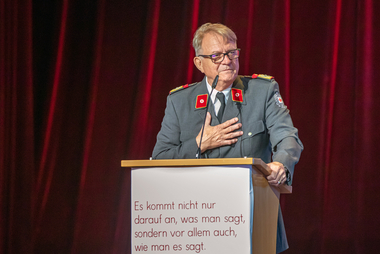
x=214, y=83
x=199, y=151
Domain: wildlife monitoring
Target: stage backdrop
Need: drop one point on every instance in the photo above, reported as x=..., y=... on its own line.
x=83, y=85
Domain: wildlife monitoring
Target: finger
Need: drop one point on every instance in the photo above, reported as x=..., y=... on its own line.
x=234, y=127
x=228, y=123
x=281, y=181
x=277, y=170
x=232, y=135
x=281, y=175
x=275, y=183
x=281, y=178
x=229, y=142
x=231, y=129
x=273, y=176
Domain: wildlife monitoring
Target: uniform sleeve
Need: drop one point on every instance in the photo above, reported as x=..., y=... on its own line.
x=169, y=144
x=286, y=145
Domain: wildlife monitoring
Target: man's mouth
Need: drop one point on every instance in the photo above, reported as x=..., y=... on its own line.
x=227, y=70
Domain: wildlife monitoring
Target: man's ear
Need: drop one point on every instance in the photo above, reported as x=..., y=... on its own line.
x=198, y=63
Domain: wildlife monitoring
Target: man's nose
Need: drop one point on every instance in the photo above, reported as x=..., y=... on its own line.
x=226, y=60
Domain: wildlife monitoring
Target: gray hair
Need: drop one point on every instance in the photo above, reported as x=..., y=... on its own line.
x=217, y=28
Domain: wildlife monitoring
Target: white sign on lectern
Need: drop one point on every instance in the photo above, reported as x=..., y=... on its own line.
x=191, y=210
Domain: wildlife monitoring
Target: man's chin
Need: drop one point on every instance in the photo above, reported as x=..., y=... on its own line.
x=227, y=76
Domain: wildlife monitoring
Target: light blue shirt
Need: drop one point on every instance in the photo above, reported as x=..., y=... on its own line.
x=217, y=103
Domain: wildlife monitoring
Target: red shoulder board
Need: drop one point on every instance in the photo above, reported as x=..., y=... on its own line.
x=263, y=76
x=237, y=94
x=181, y=88
x=201, y=101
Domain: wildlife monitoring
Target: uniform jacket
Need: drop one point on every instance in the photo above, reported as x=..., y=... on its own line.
x=267, y=127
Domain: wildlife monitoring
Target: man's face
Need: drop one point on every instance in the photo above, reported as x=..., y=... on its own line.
x=227, y=70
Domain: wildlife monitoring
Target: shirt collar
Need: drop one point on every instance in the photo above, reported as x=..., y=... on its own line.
x=213, y=95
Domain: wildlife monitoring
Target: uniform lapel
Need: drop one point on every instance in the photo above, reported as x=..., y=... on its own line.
x=201, y=112
x=202, y=89
x=231, y=109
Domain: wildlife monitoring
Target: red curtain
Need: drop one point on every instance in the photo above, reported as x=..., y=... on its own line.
x=83, y=85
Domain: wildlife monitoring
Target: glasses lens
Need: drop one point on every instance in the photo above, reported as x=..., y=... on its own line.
x=217, y=58
x=233, y=54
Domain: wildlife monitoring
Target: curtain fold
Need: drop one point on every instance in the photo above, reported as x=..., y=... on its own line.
x=83, y=85
x=16, y=127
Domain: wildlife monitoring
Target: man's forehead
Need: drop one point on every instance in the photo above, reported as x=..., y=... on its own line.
x=212, y=38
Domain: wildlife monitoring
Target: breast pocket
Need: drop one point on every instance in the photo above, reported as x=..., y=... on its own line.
x=254, y=139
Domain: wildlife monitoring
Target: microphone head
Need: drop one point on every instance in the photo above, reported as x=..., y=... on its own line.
x=215, y=81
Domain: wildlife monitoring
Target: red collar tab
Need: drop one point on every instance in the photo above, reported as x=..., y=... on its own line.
x=201, y=101
x=237, y=94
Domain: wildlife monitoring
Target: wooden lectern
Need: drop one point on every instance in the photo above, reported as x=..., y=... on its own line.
x=266, y=197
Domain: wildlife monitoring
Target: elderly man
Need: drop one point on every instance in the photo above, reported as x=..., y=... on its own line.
x=246, y=115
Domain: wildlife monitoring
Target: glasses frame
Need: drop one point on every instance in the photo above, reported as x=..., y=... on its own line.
x=224, y=55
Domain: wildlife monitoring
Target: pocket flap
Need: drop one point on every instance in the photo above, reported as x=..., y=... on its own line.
x=254, y=129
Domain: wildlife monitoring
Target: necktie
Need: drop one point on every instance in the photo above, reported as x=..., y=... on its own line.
x=222, y=100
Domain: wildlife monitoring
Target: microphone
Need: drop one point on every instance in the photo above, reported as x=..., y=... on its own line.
x=199, y=151
x=214, y=83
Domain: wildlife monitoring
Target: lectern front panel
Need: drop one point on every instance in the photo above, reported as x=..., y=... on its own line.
x=188, y=210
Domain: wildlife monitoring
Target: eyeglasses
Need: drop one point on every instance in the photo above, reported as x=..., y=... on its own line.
x=219, y=57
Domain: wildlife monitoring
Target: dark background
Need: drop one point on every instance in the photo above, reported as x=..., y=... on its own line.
x=83, y=85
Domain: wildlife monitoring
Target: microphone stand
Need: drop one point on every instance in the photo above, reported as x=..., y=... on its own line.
x=199, y=151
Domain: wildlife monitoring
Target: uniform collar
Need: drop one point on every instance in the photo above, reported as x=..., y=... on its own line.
x=214, y=92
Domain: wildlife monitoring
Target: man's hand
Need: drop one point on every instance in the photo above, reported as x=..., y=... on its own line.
x=220, y=135
x=277, y=173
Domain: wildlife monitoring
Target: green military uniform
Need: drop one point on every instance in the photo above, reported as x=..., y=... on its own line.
x=266, y=124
